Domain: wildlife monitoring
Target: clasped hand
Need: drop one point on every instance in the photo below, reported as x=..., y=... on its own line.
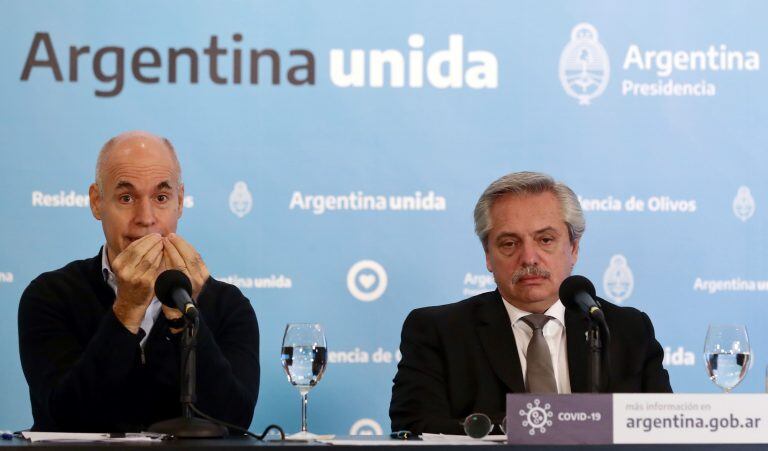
x=137, y=267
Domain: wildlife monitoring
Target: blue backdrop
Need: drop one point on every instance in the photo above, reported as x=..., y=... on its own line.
x=333, y=153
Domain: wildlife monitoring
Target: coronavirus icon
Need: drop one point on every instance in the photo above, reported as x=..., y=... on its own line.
x=537, y=417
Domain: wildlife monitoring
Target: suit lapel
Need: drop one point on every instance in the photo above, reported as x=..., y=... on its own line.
x=575, y=333
x=498, y=342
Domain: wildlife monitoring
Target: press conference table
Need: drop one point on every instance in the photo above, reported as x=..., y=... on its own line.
x=238, y=443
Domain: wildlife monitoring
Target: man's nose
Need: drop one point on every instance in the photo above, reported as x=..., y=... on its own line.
x=530, y=253
x=144, y=213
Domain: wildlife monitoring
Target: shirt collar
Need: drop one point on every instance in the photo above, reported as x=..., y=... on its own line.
x=556, y=311
x=106, y=270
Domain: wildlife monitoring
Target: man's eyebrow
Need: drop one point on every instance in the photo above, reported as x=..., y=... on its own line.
x=123, y=184
x=507, y=235
x=548, y=229
x=165, y=184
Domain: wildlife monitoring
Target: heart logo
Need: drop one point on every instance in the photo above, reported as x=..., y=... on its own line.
x=366, y=280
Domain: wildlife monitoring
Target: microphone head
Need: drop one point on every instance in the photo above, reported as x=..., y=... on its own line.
x=573, y=285
x=169, y=281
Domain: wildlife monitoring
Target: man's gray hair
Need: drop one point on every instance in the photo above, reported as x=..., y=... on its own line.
x=104, y=152
x=522, y=183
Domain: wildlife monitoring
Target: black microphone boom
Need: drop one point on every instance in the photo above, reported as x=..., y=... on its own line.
x=578, y=292
x=174, y=289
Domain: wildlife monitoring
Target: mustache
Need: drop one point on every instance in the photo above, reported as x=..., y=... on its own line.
x=529, y=270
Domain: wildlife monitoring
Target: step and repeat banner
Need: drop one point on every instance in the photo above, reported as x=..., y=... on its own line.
x=333, y=153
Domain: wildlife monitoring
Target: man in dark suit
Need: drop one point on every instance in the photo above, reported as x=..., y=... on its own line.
x=463, y=358
x=98, y=349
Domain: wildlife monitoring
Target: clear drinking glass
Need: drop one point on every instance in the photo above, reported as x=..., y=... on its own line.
x=727, y=355
x=304, y=356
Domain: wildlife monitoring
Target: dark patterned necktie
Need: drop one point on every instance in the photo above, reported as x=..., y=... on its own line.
x=539, y=374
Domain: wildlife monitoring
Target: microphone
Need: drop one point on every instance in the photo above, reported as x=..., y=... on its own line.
x=578, y=292
x=174, y=289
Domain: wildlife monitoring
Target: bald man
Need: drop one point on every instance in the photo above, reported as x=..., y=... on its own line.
x=99, y=351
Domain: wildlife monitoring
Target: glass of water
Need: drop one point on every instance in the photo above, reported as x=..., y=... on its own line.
x=727, y=355
x=304, y=356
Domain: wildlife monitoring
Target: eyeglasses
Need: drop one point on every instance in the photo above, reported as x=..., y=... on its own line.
x=478, y=425
x=404, y=435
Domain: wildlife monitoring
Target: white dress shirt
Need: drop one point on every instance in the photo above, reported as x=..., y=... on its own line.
x=554, y=333
x=154, y=307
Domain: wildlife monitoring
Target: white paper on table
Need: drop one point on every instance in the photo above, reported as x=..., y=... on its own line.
x=445, y=439
x=383, y=441
x=89, y=437
x=299, y=437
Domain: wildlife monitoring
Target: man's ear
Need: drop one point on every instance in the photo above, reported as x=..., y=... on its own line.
x=94, y=195
x=488, y=260
x=181, y=199
x=574, y=252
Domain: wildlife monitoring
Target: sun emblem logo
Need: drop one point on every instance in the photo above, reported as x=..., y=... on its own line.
x=584, y=67
x=240, y=200
x=537, y=418
x=618, y=280
x=744, y=204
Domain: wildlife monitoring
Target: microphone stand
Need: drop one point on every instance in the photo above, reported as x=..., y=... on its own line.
x=598, y=359
x=594, y=357
x=188, y=426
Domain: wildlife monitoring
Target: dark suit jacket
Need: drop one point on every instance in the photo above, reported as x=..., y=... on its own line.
x=87, y=372
x=461, y=358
